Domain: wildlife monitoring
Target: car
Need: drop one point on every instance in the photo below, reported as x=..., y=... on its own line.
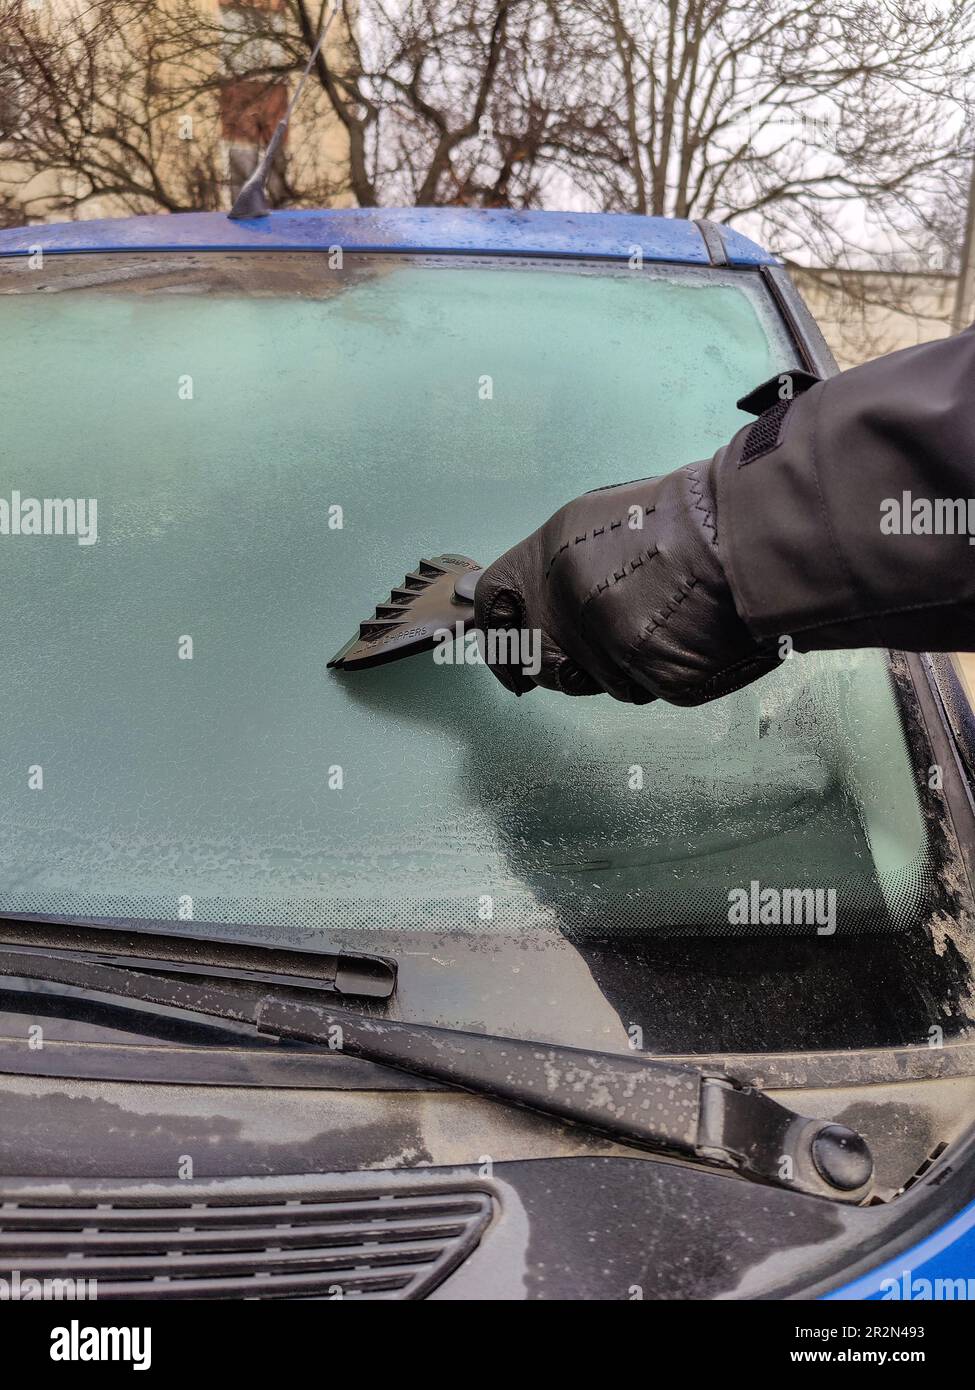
x=379, y=984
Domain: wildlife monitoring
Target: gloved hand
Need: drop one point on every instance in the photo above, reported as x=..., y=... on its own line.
x=627, y=589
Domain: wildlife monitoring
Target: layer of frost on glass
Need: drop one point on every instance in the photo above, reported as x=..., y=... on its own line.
x=442, y=409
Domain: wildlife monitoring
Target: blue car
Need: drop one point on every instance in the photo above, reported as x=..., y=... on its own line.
x=380, y=984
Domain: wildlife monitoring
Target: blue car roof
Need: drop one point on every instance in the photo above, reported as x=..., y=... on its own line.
x=482, y=231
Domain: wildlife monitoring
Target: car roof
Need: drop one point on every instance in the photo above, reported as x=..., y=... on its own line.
x=474, y=231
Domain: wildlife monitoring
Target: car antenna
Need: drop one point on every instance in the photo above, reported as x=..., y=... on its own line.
x=251, y=201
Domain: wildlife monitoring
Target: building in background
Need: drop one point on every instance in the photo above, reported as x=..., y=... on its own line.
x=866, y=313
x=185, y=123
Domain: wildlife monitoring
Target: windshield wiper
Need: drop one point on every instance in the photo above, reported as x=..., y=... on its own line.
x=705, y=1117
x=338, y=972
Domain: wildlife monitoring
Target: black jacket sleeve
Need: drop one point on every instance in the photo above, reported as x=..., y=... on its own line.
x=847, y=514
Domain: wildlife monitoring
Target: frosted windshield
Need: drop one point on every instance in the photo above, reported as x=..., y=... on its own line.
x=441, y=408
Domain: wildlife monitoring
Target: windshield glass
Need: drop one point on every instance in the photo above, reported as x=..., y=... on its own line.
x=272, y=443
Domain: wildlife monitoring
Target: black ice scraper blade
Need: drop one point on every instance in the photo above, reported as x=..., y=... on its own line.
x=438, y=594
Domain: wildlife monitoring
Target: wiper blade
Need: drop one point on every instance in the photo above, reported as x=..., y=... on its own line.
x=338, y=972
x=666, y=1108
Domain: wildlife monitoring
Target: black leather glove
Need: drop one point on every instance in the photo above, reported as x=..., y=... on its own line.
x=627, y=589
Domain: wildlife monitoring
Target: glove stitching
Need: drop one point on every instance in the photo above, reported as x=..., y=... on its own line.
x=661, y=620
x=619, y=576
x=596, y=531
x=697, y=492
x=756, y=661
x=746, y=664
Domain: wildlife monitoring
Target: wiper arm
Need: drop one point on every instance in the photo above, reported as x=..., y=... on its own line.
x=339, y=972
x=705, y=1117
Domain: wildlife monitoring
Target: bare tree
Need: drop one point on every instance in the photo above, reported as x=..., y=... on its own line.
x=788, y=112
x=827, y=125
x=93, y=110
x=106, y=92
x=422, y=89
